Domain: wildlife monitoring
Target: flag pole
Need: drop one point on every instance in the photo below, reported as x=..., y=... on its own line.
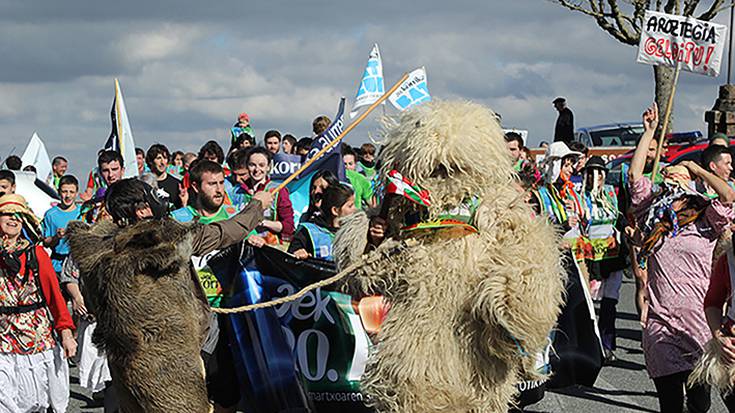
x=343, y=134
x=667, y=116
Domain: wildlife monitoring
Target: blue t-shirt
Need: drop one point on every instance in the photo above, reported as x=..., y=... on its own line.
x=55, y=219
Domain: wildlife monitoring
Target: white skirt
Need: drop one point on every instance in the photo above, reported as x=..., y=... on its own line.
x=92, y=362
x=32, y=383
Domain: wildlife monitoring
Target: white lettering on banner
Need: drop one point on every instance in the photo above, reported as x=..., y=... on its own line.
x=285, y=167
x=322, y=354
x=671, y=40
x=312, y=304
x=201, y=262
x=313, y=360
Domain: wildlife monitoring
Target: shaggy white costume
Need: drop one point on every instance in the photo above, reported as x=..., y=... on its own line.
x=468, y=313
x=711, y=368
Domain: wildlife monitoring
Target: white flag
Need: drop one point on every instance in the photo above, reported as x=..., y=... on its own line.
x=121, y=136
x=36, y=155
x=371, y=87
x=413, y=91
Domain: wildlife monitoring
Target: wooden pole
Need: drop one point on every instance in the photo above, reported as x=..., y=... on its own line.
x=729, y=47
x=667, y=116
x=343, y=134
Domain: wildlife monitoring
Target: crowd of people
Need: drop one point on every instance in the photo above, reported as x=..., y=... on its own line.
x=663, y=229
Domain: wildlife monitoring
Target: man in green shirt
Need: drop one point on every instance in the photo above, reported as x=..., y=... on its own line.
x=208, y=184
x=360, y=184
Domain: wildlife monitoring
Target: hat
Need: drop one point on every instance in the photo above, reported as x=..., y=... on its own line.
x=16, y=204
x=595, y=162
x=560, y=150
x=552, y=162
x=244, y=116
x=678, y=175
x=559, y=100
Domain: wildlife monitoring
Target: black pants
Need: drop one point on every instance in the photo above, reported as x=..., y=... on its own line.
x=671, y=391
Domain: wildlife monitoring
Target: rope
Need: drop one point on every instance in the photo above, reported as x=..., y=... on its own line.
x=293, y=297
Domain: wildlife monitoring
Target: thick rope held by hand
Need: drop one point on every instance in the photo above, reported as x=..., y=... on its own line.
x=293, y=297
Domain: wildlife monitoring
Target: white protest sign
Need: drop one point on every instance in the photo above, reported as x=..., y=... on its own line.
x=672, y=40
x=412, y=91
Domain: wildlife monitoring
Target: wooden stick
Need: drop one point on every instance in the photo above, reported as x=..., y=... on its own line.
x=667, y=116
x=343, y=134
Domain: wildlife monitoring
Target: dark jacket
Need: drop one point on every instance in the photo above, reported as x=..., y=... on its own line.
x=564, y=130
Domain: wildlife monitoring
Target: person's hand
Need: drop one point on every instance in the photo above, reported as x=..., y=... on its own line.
x=68, y=343
x=693, y=167
x=265, y=198
x=644, y=316
x=77, y=305
x=376, y=233
x=183, y=195
x=727, y=346
x=256, y=241
x=650, y=117
x=301, y=254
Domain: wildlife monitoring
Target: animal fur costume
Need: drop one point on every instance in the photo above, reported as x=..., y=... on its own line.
x=152, y=315
x=468, y=314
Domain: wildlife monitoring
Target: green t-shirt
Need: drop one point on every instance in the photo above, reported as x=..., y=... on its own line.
x=221, y=215
x=361, y=186
x=211, y=285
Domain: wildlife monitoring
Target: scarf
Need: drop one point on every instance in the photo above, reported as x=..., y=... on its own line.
x=662, y=220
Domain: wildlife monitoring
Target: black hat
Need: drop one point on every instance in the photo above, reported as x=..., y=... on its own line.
x=595, y=162
x=559, y=100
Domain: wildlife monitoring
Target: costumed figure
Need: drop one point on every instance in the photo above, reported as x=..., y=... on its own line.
x=35, y=325
x=601, y=245
x=94, y=372
x=577, y=355
x=151, y=312
x=474, y=282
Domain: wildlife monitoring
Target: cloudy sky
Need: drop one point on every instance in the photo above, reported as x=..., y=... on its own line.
x=188, y=68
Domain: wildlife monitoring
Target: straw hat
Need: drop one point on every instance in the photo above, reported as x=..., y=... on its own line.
x=16, y=204
x=678, y=175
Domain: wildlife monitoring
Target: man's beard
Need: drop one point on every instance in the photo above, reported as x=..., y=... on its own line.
x=209, y=204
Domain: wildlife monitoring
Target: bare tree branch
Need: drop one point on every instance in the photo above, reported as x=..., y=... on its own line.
x=578, y=8
x=712, y=11
x=689, y=7
x=630, y=38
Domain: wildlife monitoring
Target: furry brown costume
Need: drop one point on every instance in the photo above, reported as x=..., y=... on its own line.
x=142, y=272
x=467, y=314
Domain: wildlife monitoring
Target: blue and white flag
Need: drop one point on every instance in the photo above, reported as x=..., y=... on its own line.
x=413, y=91
x=371, y=87
x=332, y=132
x=121, y=135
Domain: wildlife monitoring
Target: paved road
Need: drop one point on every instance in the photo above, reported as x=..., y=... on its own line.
x=622, y=387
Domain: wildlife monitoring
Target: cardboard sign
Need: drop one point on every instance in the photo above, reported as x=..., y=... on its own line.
x=695, y=45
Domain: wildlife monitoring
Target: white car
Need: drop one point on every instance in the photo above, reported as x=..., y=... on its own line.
x=38, y=194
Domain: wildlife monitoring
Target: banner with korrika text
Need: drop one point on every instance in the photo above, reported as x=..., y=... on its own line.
x=670, y=40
